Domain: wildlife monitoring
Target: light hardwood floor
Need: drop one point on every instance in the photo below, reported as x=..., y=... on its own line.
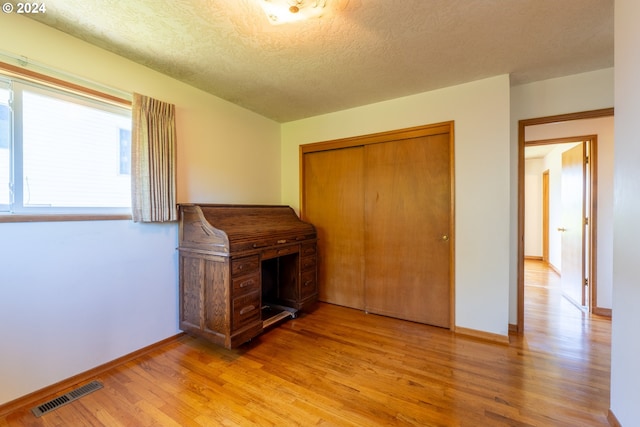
x=341, y=367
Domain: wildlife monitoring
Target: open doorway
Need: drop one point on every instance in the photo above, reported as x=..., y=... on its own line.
x=560, y=178
x=563, y=129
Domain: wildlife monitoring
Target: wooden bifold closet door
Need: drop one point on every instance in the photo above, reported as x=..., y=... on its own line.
x=382, y=205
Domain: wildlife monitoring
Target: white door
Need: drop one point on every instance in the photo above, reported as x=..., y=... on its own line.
x=573, y=224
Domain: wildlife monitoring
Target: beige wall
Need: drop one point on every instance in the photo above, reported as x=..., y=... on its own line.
x=481, y=114
x=226, y=154
x=110, y=287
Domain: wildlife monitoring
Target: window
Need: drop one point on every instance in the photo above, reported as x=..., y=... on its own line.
x=5, y=139
x=61, y=152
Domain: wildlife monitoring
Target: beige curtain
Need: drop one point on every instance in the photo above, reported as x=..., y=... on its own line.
x=153, y=160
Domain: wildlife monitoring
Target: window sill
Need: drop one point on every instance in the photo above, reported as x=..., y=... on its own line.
x=63, y=217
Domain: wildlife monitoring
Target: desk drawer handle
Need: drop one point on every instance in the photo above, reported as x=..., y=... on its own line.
x=247, y=309
x=308, y=283
x=247, y=283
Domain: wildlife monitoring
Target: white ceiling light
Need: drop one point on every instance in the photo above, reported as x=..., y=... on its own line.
x=283, y=11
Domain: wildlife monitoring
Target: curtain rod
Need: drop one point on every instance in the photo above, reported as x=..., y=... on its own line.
x=30, y=65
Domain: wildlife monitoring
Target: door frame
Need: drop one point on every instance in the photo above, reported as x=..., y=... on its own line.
x=522, y=124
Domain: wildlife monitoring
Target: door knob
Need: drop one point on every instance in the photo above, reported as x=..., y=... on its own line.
x=445, y=237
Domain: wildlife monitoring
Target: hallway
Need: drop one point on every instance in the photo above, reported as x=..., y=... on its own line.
x=554, y=325
x=551, y=317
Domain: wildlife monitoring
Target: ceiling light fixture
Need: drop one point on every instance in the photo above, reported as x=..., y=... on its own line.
x=283, y=11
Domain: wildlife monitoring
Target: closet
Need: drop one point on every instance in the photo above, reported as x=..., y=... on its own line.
x=382, y=205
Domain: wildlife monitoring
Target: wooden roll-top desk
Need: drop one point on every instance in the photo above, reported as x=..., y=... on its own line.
x=242, y=269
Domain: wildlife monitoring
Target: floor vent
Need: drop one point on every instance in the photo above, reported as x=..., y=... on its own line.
x=66, y=398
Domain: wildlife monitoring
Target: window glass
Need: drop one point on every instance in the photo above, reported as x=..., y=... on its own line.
x=69, y=154
x=5, y=140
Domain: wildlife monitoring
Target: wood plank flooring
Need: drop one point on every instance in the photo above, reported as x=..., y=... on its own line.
x=341, y=367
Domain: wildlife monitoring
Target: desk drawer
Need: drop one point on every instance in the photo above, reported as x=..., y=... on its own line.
x=308, y=284
x=308, y=263
x=245, y=265
x=308, y=249
x=274, y=253
x=245, y=284
x=245, y=309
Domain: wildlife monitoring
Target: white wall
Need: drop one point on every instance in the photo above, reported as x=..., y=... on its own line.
x=533, y=205
x=533, y=169
x=75, y=295
x=553, y=163
x=625, y=345
x=580, y=92
x=481, y=113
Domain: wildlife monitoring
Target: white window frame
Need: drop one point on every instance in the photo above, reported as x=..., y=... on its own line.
x=17, y=210
x=5, y=84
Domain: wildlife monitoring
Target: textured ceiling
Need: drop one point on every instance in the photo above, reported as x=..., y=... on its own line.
x=359, y=52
